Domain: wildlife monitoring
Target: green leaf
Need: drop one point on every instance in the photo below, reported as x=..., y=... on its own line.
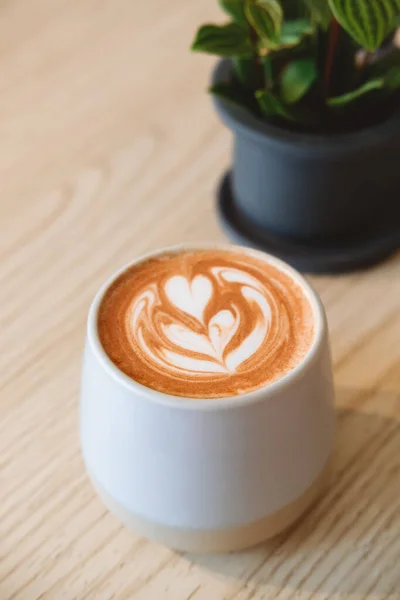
x=223, y=40
x=246, y=71
x=294, y=9
x=235, y=9
x=392, y=79
x=271, y=106
x=235, y=95
x=293, y=32
x=266, y=18
x=369, y=22
x=321, y=11
x=297, y=79
x=268, y=70
x=368, y=87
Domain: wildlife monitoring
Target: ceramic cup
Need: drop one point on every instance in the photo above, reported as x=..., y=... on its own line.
x=208, y=475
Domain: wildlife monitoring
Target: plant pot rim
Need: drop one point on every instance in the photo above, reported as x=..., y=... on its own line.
x=243, y=122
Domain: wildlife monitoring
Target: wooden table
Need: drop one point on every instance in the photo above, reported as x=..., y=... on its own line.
x=109, y=147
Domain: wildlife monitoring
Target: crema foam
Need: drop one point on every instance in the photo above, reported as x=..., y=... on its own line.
x=206, y=323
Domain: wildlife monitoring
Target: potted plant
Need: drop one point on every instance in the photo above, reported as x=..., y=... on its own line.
x=311, y=91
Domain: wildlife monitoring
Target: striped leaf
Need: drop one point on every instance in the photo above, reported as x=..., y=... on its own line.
x=266, y=18
x=321, y=11
x=235, y=9
x=223, y=40
x=369, y=22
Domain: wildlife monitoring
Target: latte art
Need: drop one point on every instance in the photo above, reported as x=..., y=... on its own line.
x=179, y=335
x=207, y=324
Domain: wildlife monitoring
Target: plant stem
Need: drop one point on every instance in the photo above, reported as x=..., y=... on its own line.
x=334, y=35
x=257, y=59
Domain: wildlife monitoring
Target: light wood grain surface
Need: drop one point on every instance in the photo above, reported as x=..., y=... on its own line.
x=109, y=147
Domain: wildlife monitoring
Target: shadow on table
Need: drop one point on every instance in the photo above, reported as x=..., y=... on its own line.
x=350, y=541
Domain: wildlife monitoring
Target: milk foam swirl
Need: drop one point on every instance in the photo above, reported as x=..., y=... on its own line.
x=178, y=335
x=205, y=324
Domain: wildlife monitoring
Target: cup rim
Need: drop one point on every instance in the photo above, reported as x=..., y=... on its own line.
x=259, y=395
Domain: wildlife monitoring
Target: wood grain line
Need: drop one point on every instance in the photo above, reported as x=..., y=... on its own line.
x=367, y=338
x=390, y=520
x=334, y=527
x=35, y=528
x=62, y=579
x=338, y=490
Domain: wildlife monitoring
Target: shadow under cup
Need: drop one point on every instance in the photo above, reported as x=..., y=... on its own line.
x=208, y=475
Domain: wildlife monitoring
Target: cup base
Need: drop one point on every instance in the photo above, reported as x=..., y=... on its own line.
x=216, y=541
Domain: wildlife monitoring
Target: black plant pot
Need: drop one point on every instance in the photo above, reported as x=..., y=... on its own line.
x=323, y=203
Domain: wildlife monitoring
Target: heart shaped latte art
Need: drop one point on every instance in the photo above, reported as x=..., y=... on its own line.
x=205, y=324
x=209, y=324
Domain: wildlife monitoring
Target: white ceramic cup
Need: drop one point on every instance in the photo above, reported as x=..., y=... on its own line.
x=208, y=475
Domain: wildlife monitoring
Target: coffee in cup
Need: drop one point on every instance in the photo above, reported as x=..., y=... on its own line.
x=207, y=418
x=206, y=323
